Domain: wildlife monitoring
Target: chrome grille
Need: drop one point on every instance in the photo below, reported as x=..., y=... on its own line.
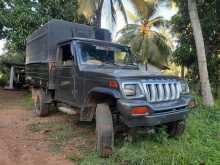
x=157, y=91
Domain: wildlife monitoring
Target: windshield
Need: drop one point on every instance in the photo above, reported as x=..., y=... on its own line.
x=94, y=54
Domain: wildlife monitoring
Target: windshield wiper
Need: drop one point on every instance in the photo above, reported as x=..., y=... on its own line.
x=108, y=63
x=133, y=65
x=126, y=65
x=118, y=65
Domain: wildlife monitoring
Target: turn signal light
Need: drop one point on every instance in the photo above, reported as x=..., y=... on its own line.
x=113, y=84
x=140, y=111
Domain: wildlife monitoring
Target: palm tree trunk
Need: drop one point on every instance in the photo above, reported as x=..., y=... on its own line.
x=201, y=56
x=99, y=14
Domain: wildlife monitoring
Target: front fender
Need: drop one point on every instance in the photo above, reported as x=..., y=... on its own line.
x=112, y=92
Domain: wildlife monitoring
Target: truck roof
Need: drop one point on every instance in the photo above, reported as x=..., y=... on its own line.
x=93, y=41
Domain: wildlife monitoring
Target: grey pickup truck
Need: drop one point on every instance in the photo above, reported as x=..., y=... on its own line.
x=77, y=68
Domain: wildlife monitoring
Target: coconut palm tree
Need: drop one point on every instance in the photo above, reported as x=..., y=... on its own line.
x=145, y=40
x=201, y=55
x=92, y=9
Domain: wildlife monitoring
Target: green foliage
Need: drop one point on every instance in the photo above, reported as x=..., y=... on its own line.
x=19, y=19
x=61, y=9
x=146, y=43
x=199, y=144
x=185, y=54
x=3, y=80
x=9, y=57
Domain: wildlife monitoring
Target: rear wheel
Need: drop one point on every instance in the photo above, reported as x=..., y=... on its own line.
x=41, y=108
x=176, y=129
x=104, y=130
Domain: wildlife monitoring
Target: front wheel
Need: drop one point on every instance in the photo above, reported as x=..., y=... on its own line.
x=176, y=129
x=104, y=130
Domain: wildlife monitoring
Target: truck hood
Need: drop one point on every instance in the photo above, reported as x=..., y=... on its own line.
x=121, y=73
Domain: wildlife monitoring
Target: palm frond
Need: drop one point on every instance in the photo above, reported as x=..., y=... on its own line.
x=139, y=6
x=113, y=12
x=126, y=38
x=136, y=44
x=87, y=8
x=132, y=16
x=128, y=28
x=151, y=8
x=164, y=39
x=157, y=21
x=162, y=46
x=152, y=52
x=122, y=9
x=144, y=8
x=163, y=49
x=168, y=35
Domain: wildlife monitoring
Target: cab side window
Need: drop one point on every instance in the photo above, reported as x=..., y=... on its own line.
x=65, y=56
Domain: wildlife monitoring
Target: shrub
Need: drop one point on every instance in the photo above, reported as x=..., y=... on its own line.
x=3, y=80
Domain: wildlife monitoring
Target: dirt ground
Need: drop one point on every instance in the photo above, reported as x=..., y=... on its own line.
x=21, y=146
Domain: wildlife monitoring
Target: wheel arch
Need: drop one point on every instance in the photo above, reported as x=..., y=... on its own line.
x=96, y=96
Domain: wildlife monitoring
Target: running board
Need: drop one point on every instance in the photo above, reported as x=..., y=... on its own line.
x=69, y=111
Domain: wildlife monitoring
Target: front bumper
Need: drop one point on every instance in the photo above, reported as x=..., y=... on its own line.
x=161, y=113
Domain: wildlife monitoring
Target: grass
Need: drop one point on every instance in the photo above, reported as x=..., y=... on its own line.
x=58, y=134
x=55, y=148
x=74, y=158
x=200, y=144
x=62, y=134
x=26, y=101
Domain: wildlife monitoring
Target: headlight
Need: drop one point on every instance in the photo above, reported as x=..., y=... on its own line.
x=184, y=87
x=132, y=90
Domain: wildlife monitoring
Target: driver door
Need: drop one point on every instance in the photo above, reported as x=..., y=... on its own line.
x=65, y=74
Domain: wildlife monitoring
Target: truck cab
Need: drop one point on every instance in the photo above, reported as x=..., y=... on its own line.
x=101, y=80
x=91, y=68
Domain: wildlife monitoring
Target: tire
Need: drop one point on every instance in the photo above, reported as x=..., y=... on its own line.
x=176, y=129
x=41, y=108
x=104, y=130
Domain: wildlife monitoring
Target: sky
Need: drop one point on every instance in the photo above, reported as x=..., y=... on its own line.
x=163, y=11
x=2, y=42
